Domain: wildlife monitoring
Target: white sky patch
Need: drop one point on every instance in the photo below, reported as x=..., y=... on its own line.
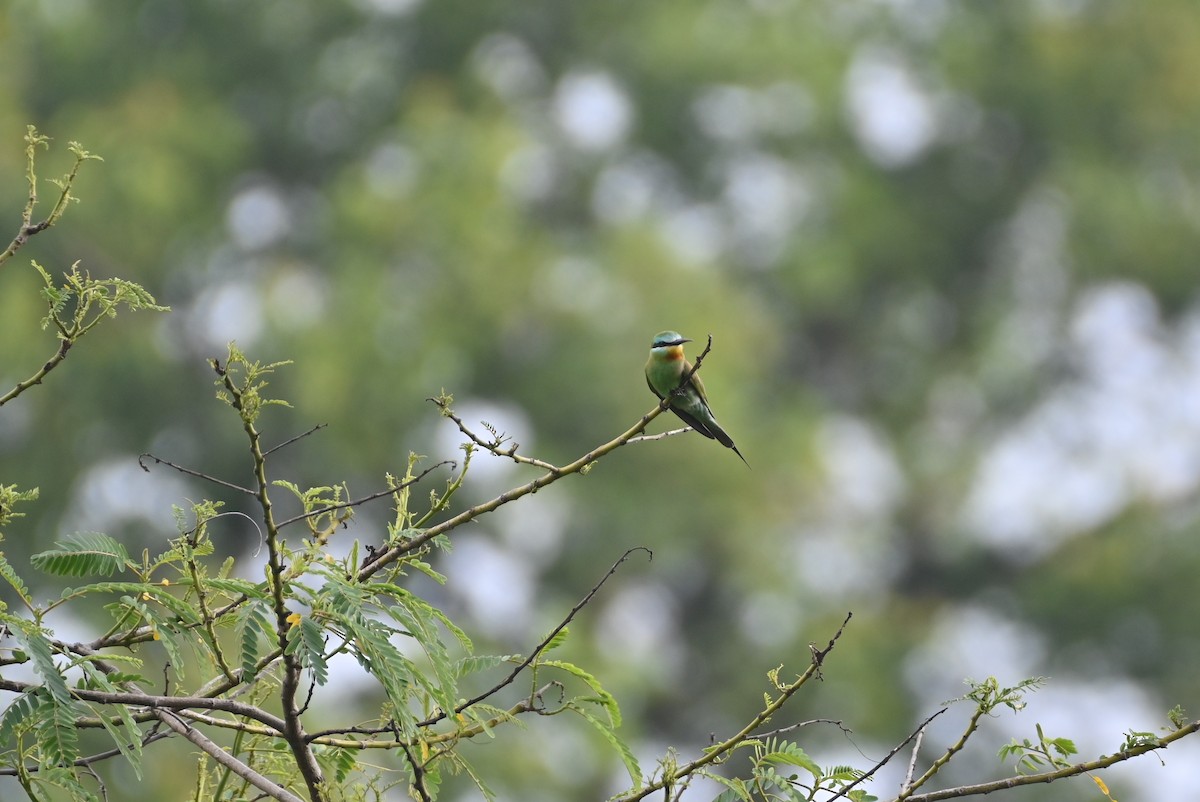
x=580, y=286
x=536, y=529
x=640, y=624
x=695, y=234
x=632, y=187
x=592, y=109
x=971, y=642
x=530, y=173
x=230, y=311
x=841, y=560
x=496, y=586
x=390, y=8
x=116, y=491
x=1127, y=428
x=509, y=419
x=862, y=475
x=391, y=171
x=891, y=115
x=739, y=114
x=506, y=64
x=297, y=298
x=770, y=619
x=258, y=218
x=768, y=198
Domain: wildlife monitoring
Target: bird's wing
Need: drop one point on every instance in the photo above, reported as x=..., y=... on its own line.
x=695, y=380
x=693, y=421
x=650, y=384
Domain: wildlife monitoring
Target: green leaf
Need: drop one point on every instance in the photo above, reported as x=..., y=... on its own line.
x=842, y=774
x=236, y=587
x=559, y=639
x=732, y=795
x=64, y=780
x=603, y=698
x=127, y=736
x=476, y=663
x=163, y=628
x=421, y=620
x=306, y=640
x=488, y=716
x=373, y=647
x=7, y=572
x=83, y=554
x=341, y=762
x=622, y=749
x=735, y=789
x=57, y=735
x=788, y=754
x=16, y=715
x=39, y=652
x=255, y=627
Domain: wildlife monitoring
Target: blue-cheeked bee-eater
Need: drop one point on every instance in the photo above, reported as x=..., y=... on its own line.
x=665, y=370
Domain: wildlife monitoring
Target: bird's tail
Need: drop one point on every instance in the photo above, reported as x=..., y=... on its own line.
x=724, y=439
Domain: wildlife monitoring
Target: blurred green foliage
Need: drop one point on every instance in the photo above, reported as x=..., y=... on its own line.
x=896, y=219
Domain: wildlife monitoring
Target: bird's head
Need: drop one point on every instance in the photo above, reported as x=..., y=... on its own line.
x=668, y=345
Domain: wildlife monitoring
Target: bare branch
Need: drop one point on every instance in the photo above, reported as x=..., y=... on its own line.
x=492, y=446
x=198, y=474
x=545, y=641
x=218, y=754
x=887, y=758
x=291, y=440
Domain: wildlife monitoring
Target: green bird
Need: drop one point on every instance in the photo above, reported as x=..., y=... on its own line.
x=665, y=370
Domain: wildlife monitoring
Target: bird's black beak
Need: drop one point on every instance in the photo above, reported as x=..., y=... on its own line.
x=683, y=340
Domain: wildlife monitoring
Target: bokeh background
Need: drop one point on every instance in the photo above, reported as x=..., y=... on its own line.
x=947, y=252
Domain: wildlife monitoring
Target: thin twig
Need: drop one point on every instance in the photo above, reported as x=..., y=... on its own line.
x=418, y=770
x=951, y=751
x=190, y=472
x=887, y=758
x=912, y=761
x=146, y=740
x=661, y=436
x=153, y=701
x=545, y=641
x=291, y=440
x=493, y=446
x=219, y=755
x=387, y=492
x=801, y=724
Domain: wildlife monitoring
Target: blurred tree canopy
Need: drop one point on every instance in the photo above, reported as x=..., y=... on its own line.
x=946, y=251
